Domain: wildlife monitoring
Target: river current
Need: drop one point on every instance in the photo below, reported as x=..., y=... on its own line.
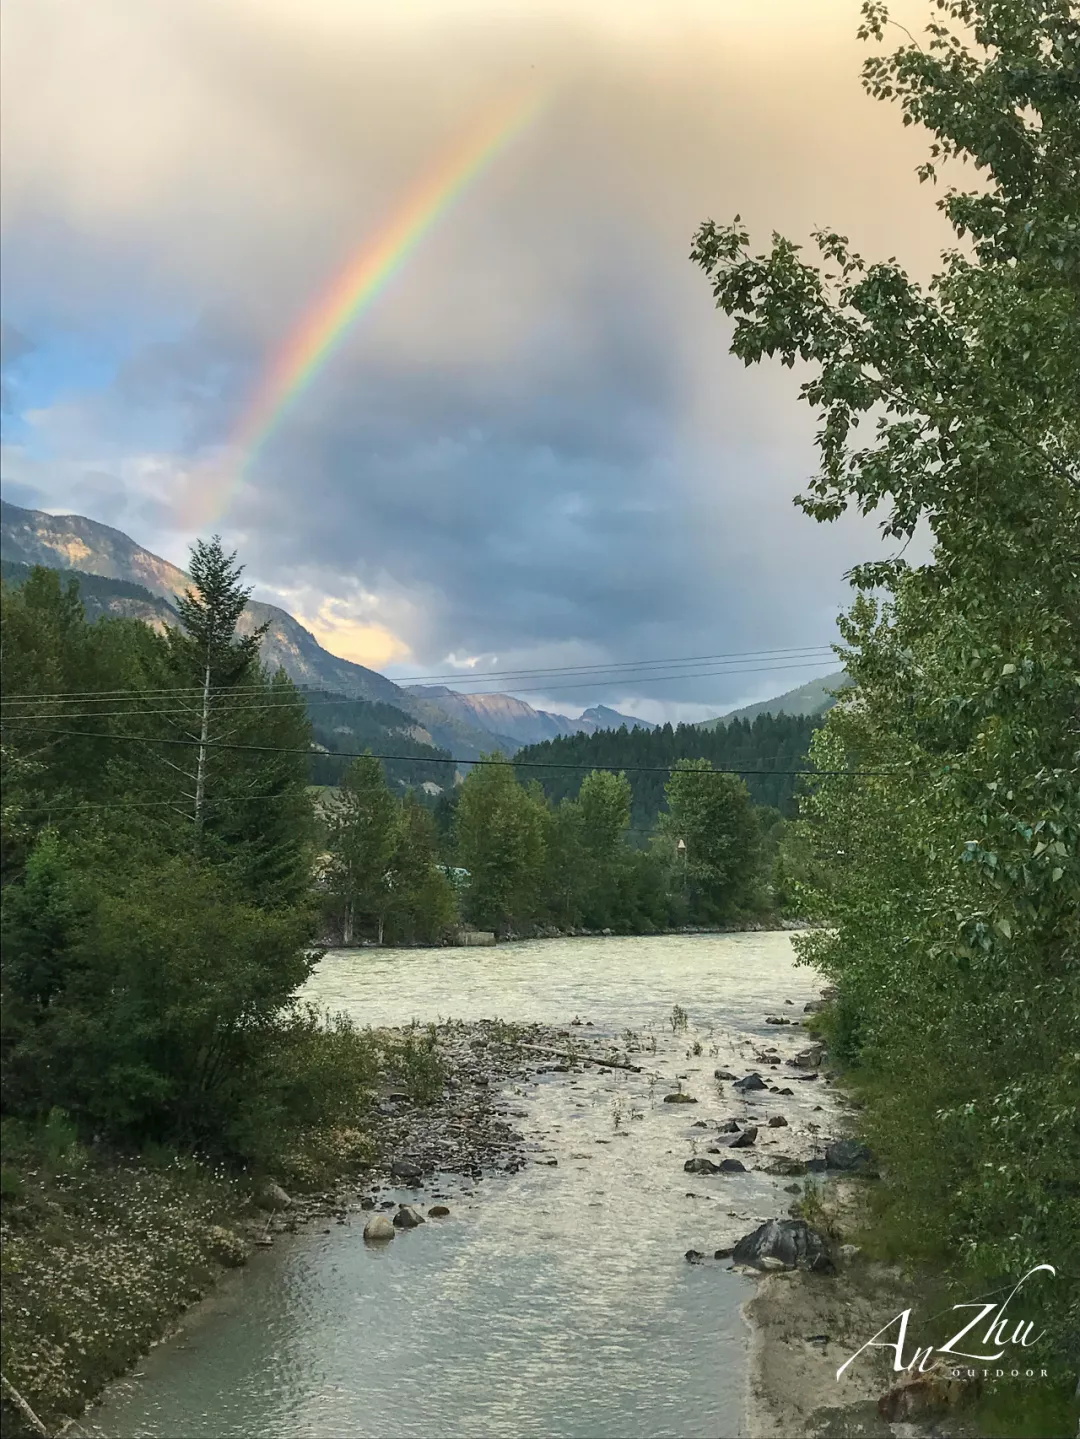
x=555, y=1302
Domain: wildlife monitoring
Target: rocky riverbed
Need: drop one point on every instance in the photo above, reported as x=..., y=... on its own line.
x=656, y=1101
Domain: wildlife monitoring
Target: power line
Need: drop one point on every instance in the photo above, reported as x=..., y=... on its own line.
x=437, y=759
x=286, y=702
x=598, y=668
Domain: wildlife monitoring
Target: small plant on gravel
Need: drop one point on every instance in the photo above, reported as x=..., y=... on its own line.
x=679, y=1018
x=617, y=1114
x=421, y=1069
x=694, y=1050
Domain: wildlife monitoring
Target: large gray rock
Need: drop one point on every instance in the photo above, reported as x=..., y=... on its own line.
x=784, y=1244
x=751, y=1081
x=407, y=1169
x=408, y=1217
x=745, y=1138
x=699, y=1165
x=679, y=1098
x=732, y=1166
x=851, y=1155
x=784, y=1164
x=378, y=1229
x=808, y=1058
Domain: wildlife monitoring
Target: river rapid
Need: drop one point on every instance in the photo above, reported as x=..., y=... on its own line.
x=555, y=1301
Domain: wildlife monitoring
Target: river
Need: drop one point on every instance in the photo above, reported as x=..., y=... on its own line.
x=553, y=1302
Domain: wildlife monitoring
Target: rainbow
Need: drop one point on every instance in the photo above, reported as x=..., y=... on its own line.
x=352, y=291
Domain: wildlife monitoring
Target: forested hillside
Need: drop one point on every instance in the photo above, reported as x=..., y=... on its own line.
x=770, y=743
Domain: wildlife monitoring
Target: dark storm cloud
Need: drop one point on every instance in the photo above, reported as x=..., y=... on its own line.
x=534, y=445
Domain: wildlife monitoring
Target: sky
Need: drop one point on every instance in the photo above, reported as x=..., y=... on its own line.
x=532, y=449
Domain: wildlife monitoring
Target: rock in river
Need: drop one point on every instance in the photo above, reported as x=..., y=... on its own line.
x=407, y=1169
x=745, y=1138
x=722, y=1074
x=378, y=1229
x=679, y=1098
x=778, y=1122
x=751, y=1081
x=438, y=1211
x=784, y=1164
x=807, y=1058
x=784, y=1244
x=732, y=1166
x=700, y=1166
x=408, y=1217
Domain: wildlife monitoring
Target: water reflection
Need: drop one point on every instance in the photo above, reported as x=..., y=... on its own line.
x=554, y=1302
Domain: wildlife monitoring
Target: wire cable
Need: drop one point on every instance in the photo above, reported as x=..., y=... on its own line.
x=437, y=759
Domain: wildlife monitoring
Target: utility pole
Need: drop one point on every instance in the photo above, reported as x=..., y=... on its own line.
x=200, y=767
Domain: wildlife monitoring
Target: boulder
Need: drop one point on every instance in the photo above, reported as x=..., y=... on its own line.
x=694, y=1256
x=378, y=1229
x=745, y=1138
x=808, y=1058
x=679, y=1098
x=368, y=1202
x=731, y=1166
x=784, y=1244
x=699, y=1166
x=776, y=1019
x=851, y=1155
x=438, y=1211
x=408, y=1216
x=813, y=1006
x=751, y=1081
x=407, y=1169
x=729, y=1126
x=722, y=1074
x=778, y=1122
x=785, y=1165
x=724, y=1253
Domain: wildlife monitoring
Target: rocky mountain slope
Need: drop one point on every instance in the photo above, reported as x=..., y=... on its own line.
x=144, y=585
x=505, y=715
x=73, y=542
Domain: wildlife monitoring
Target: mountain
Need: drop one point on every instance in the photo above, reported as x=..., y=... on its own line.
x=812, y=698
x=96, y=551
x=501, y=714
x=600, y=717
x=119, y=577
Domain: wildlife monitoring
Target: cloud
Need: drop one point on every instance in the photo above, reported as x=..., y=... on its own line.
x=13, y=346
x=534, y=446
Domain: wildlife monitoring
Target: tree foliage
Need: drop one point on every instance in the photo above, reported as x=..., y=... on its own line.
x=951, y=881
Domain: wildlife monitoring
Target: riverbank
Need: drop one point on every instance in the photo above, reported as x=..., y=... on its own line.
x=103, y=1253
x=768, y=924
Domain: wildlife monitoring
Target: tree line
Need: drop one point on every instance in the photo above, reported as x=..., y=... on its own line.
x=951, y=887
x=168, y=867
x=769, y=743
x=508, y=860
